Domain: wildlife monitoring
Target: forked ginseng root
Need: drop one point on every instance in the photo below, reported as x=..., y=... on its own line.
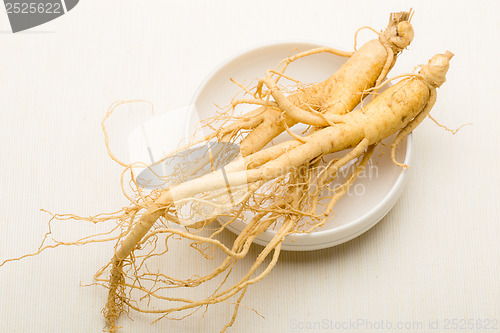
x=278, y=186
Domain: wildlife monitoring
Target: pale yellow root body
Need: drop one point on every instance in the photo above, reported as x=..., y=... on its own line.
x=399, y=108
x=287, y=171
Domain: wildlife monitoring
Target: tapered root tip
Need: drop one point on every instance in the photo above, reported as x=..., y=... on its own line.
x=399, y=31
x=448, y=55
x=434, y=73
x=395, y=18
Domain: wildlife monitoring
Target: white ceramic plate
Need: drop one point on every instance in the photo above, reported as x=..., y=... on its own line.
x=371, y=196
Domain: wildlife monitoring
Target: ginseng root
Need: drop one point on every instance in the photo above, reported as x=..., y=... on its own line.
x=398, y=109
x=276, y=187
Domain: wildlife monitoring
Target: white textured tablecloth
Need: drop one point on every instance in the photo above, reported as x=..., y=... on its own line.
x=433, y=260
